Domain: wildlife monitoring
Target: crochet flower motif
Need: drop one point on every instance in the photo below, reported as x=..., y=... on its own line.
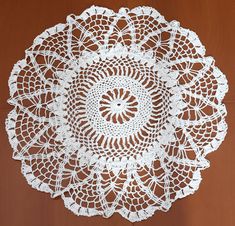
x=116, y=112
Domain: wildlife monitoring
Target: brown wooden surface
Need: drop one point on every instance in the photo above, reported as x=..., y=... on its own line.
x=213, y=204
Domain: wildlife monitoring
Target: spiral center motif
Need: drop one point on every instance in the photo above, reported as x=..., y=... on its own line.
x=118, y=106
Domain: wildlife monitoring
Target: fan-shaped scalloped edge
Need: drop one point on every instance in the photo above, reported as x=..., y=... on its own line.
x=137, y=216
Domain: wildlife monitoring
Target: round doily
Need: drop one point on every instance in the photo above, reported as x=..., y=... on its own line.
x=116, y=112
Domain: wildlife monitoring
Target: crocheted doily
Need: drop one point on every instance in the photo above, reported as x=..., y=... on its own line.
x=116, y=112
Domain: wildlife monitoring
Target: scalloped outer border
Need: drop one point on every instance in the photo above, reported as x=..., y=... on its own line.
x=68, y=202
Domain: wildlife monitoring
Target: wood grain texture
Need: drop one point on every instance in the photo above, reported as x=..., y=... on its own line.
x=213, y=204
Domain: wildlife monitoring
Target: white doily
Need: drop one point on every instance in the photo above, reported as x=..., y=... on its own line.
x=115, y=112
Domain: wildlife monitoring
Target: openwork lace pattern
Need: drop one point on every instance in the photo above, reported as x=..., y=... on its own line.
x=116, y=112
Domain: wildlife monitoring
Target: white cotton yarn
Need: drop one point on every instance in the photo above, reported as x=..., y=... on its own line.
x=116, y=112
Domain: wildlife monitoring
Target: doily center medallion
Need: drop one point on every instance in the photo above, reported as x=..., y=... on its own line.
x=116, y=112
x=120, y=111
x=118, y=105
